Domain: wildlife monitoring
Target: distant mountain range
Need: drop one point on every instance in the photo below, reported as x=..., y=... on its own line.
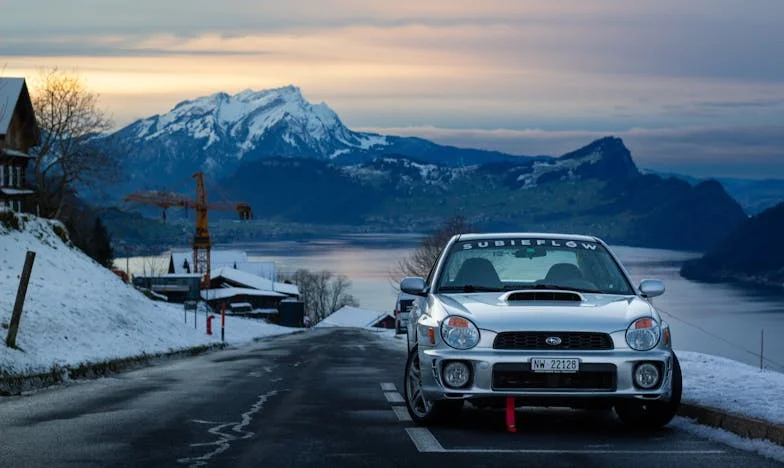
x=217, y=133
x=297, y=163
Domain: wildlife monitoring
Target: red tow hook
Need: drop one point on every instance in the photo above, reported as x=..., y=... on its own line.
x=510, y=415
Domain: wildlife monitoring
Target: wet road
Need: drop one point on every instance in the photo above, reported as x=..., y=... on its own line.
x=321, y=398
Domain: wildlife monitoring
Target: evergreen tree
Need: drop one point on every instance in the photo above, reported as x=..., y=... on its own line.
x=102, y=244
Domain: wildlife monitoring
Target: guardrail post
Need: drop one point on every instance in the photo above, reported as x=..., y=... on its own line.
x=21, y=293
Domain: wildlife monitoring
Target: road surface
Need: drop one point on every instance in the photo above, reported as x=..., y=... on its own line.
x=325, y=397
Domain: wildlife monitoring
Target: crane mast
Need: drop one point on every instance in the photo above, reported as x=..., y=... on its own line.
x=202, y=244
x=201, y=240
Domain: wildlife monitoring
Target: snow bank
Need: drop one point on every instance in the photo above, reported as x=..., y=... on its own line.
x=732, y=386
x=79, y=312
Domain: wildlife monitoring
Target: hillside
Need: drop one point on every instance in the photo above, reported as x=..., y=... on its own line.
x=753, y=253
x=78, y=312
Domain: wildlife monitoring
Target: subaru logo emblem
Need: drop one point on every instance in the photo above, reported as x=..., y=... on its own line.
x=553, y=340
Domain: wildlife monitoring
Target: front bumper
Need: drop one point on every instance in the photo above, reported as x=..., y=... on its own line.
x=615, y=365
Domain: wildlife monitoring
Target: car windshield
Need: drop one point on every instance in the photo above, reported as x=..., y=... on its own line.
x=511, y=264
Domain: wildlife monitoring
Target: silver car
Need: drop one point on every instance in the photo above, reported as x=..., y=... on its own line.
x=549, y=319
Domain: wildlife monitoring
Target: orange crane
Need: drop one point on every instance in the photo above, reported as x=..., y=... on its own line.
x=201, y=240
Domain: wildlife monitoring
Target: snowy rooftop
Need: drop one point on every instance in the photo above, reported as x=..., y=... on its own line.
x=352, y=317
x=13, y=152
x=253, y=281
x=223, y=293
x=218, y=259
x=10, y=89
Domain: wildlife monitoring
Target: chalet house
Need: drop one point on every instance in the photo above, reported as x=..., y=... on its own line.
x=18, y=133
x=244, y=293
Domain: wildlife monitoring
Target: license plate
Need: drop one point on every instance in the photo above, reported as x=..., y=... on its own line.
x=555, y=365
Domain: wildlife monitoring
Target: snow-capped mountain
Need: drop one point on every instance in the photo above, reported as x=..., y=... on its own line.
x=218, y=132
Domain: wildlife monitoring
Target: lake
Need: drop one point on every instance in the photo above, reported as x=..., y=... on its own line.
x=721, y=319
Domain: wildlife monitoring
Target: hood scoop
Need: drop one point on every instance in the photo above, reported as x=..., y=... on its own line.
x=542, y=295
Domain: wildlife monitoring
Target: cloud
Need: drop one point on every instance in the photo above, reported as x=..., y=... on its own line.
x=572, y=69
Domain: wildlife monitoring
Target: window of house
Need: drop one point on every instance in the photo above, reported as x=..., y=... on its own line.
x=19, y=176
x=4, y=176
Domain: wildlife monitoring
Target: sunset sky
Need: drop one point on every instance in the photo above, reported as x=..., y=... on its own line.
x=692, y=86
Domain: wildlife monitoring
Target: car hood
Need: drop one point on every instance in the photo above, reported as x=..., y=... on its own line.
x=597, y=312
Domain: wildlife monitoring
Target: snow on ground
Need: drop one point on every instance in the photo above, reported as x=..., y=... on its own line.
x=765, y=448
x=78, y=312
x=732, y=386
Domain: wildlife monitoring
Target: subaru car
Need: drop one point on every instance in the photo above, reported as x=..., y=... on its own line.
x=548, y=319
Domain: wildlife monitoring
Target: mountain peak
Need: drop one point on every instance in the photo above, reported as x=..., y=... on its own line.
x=609, y=158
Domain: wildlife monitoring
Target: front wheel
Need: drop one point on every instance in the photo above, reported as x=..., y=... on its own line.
x=422, y=410
x=654, y=414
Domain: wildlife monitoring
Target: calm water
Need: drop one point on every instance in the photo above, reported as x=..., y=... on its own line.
x=721, y=319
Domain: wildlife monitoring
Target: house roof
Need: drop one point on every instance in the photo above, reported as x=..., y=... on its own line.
x=353, y=317
x=218, y=259
x=15, y=153
x=253, y=281
x=223, y=293
x=10, y=91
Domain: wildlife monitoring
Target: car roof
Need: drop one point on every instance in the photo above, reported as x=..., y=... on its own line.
x=526, y=235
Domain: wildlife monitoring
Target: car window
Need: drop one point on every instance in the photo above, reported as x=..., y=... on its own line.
x=506, y=264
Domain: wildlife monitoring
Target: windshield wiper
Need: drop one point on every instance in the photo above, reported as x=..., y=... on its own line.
x=563, y=288
x=468, y=288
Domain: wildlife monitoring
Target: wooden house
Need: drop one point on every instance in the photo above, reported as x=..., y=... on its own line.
x=18, y=133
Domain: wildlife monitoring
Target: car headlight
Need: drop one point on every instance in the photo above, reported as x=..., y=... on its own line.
x=643, y=334
x=459, y=332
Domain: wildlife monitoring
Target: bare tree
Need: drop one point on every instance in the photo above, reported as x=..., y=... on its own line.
x=69, y=154
x=322, y=292
x=422, y=259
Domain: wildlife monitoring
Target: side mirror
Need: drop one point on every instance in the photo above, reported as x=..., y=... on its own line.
x=651, y=288
x=414, y=285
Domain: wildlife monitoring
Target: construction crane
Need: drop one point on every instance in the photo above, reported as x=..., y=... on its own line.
x=201, y=240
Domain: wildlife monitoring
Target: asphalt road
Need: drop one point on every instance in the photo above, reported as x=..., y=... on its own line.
x=320, y=398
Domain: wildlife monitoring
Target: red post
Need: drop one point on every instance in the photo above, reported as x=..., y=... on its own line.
x=209, y=324
x=223, y=323
x=510, y=415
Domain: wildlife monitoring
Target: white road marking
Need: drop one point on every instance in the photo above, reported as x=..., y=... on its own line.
x=424, y=440
x=585, y=452
x=388, y=387
x=394, y=397
x=402, y=413
x=225, y=439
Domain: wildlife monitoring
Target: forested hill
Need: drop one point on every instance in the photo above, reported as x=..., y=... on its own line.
x=753, y=252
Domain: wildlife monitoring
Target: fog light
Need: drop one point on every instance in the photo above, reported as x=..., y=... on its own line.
x=456, y=374
x=646, y=375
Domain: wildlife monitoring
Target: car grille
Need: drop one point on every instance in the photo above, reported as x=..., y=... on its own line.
x=581, y=341
x=590, y=377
